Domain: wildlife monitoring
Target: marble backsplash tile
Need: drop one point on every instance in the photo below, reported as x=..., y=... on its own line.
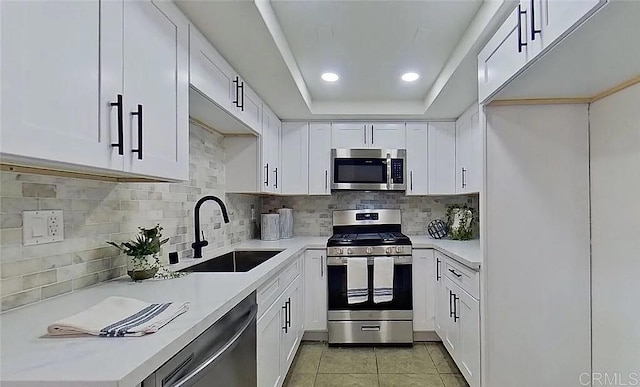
x=312, y=215
x=97, y=211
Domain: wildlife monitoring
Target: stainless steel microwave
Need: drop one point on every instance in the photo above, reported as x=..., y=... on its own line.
x=368, y=169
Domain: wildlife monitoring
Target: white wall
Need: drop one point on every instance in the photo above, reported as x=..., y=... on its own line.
x=536, y=302
x=615, y=209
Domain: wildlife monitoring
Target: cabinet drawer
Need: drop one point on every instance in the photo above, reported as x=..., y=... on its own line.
x=467, y=279
x=267, y=294
x=290, y=273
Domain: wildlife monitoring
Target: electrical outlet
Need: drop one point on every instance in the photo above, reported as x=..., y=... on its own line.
x=42, y=227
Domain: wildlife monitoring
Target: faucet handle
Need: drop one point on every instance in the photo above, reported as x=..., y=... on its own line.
x=203, y=238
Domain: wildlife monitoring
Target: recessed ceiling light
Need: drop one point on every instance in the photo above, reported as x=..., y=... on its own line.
x=329, y=77
x=410, y=77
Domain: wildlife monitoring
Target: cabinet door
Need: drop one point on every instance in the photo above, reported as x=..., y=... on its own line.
x=442, y=158
x=468, y=148
x=319, y=158
x=270, y=150
x=417, y=158
x=467, y=356
x=315, y=290
x=268, y=345
x=290, y=336
x=209, y=71
x=442, y=311
x=423, y=290
x=451, y=338
x=558, y=17
x=350, y=135
x=388, y=135
x=502, y=57
x=294, y=158
x=50, y=84
x=250, y=109
x=156, y=79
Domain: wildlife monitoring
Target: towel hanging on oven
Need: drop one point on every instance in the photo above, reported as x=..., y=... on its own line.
x=357, y=281
x=382, y=279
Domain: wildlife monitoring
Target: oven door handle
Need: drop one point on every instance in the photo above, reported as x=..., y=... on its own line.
x=342, y=261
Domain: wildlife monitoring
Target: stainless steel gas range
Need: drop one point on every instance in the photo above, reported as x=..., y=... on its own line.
x=370, y=234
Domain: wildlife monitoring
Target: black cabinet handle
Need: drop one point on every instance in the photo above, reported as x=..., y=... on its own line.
x=520, y=13
x=438, y=276
x=450, y=306
x=266, y=173
x=534, y=31
x=365, y=133
x=454, y=273
x=326, y=179
x=139, y=114
x=411, y=180
x=464, y=177
x=286, y=326
x=455, y=308
x=371, y=134
x=289, y=312
x=276, y=183
x=239, y=101
x=120, y=143
x=322, y=266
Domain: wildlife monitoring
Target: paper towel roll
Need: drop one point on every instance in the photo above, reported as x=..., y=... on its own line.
x=286, y=223
x=270, y=230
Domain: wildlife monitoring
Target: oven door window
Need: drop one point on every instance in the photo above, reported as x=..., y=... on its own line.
x=360, y=171
x=402, y=296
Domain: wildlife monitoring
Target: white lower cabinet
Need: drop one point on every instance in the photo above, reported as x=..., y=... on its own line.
x=458, y=321
x=280, y=326
x=315, y=290
x=424, y=288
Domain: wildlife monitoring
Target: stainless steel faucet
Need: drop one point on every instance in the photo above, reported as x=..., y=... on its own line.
x=199, y=244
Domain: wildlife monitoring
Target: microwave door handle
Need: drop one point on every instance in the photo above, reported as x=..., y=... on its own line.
x=389, y=180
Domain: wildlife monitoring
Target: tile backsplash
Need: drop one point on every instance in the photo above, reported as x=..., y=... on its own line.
x=97, y=211
x=312, y=215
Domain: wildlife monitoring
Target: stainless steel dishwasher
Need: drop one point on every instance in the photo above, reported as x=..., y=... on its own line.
x=223, y=355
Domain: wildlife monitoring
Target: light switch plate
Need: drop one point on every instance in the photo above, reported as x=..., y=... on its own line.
x=40, y=227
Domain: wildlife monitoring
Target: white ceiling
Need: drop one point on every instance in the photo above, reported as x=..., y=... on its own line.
x=281, y=47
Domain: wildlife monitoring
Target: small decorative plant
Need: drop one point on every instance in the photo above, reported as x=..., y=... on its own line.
x=144, y=262
x=460, y=222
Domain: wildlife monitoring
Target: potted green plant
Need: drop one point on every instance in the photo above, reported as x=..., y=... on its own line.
x=143, y=252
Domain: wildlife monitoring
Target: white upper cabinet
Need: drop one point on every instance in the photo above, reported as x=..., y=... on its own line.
x=388, y=135
x=319, y=158
x=270, y=151
x=210, y=73
x=350, y=135
x=369, y=135
x=417, y=158
x=294, y=158
x=156, y=76
x=94, y=82
x=51, y=84
x=442, y=158
x=468, y=152
x=533, y=27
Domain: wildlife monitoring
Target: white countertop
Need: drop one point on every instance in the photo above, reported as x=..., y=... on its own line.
x=27, y=359
x=467, y=253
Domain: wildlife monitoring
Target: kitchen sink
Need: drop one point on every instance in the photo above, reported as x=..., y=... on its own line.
x=234, y=262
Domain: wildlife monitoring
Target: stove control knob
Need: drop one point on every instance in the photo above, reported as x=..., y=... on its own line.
x=339, y=250
x=398, y=249
x=388, y=250
x=369, y=250
x=349, y=250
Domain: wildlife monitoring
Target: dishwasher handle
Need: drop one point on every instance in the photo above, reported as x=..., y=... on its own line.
x=228, y=346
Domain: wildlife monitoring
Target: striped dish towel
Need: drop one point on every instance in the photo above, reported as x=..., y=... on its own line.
x=119, y=317
x=357, y=281
x=382, y=279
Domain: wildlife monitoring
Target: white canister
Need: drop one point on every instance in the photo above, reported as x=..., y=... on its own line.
x=286, y=223
x=270, y=227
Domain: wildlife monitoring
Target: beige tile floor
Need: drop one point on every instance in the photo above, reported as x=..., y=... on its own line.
x=424, y=365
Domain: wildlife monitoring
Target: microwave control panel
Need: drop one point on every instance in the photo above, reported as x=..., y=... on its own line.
x=397, y=171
